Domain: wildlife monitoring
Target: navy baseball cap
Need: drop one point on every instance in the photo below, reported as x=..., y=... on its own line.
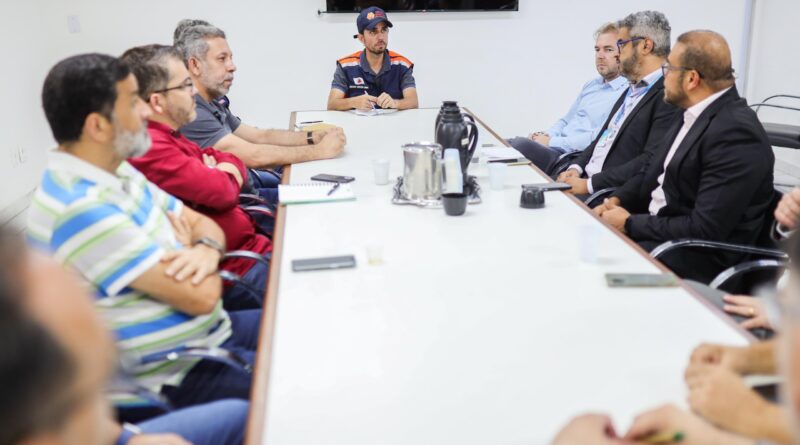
x=370, y=17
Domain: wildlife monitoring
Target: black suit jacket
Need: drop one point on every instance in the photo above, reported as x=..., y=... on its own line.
x=639, y=136
x=718, y=185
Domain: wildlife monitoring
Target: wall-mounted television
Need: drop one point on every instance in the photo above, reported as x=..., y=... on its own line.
x=423, y=5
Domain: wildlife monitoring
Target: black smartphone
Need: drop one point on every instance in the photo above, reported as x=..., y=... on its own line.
x=332, y=178
x=641, y=280
x=332, y=262
x=548, y=186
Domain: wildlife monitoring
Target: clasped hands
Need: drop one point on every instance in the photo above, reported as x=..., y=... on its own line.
x=611, y=212
x=367, y=102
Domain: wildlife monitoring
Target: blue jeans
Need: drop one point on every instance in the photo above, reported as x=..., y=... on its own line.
x=208, y=380
x=264, y=179
x=265, y=185
x=221, y=422
x=237, y=297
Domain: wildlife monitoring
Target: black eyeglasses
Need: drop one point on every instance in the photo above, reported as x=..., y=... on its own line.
x=621, y=43
x=667, y=67
x=186, y=85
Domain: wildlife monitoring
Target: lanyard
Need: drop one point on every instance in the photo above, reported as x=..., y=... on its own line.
x=630, y=97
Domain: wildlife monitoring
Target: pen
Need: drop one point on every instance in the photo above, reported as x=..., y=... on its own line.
x=309, y=122
x=664, y=438
x=366, y=93
x=333, y=189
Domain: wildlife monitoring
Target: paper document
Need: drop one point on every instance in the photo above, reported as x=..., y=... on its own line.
x=314, y=192
x=374, y=112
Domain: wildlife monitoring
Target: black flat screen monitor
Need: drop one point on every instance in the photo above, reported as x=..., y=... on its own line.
x=423, y=5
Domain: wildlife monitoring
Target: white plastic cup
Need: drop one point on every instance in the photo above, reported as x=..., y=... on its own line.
x=589, y=242
x=497, y=175
x=381, y=169
x=374, y=254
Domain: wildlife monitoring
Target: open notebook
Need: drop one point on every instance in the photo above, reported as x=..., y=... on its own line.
x=314, y=192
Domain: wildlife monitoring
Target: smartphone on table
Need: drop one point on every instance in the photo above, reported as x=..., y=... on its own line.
x=333, y=178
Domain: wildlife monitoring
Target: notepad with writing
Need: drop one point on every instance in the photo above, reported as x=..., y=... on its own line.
x=314, y=192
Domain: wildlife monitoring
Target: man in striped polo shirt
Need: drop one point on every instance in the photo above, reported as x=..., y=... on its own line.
x=151, y=261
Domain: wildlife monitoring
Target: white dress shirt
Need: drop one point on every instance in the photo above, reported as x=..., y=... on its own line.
x=632, y=98
x=658, y=199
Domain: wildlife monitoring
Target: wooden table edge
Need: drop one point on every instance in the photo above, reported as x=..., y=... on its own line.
x=255, y=429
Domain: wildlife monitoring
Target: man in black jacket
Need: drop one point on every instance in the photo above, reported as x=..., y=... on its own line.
x=639, y=119
x=712, y=178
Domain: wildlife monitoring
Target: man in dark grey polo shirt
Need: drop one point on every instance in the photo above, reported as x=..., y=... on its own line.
x=210, y=62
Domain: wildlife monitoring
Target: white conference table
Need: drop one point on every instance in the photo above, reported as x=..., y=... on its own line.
x=481, y=329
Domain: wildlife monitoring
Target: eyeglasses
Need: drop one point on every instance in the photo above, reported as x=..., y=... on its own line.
x=186, y=85
x=621, y=43
x=667, y=67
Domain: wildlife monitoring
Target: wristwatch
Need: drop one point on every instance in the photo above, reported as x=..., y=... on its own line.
x=310, y=137
x=214, y=244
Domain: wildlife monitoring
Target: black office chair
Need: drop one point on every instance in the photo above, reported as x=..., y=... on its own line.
x=760, y=263
x=781, y=135
x=596, y=198
x=134, y=403
x=562, y=163
x=262, y=211
x=235, y=280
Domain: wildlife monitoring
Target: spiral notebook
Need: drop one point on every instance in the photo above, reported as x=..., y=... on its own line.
x=311, y=192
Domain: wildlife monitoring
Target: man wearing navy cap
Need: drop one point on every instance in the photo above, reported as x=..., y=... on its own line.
x=375, y=77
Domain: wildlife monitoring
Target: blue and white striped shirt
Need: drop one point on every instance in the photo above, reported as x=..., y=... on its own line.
x=111, y=229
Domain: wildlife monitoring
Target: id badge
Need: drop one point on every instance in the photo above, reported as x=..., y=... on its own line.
x=604, y=138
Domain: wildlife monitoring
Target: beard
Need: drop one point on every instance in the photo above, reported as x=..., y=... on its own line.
x=131, y=144
x=376, y=51
x=181, y=116
x=628, y=66
x=608, y=72
x=215, y=88
x=677, y=98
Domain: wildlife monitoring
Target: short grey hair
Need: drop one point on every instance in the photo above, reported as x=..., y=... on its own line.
x=191, y=40
x=605, y=29
x=652, y=25
x=183, y=25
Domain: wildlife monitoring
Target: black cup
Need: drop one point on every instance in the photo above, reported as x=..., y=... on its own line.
x=455, y=204
x=531, y=198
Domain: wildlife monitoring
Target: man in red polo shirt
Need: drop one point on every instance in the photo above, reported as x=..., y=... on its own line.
x=209, y=181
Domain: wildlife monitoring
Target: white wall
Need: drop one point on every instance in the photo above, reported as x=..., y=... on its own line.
x=516, y=70
x=775, y=58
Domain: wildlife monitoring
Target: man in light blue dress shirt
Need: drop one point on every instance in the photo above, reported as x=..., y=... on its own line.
x=578, y=128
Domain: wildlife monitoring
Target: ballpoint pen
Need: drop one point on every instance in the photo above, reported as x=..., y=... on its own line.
x=674, y=437
x=333, y=189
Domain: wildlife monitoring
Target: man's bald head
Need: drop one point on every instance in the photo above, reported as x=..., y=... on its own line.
x=708, y=53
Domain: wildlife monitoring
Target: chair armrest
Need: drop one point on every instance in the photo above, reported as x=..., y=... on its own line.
x=259, y=209
x=268, y=171
x=782, y=107
x=746, y=267
x=595, y=198
x=246, y=254
x=776, y=96
x=563, y=162
x=218, y=355
x=248, y=197
x=670, y=246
